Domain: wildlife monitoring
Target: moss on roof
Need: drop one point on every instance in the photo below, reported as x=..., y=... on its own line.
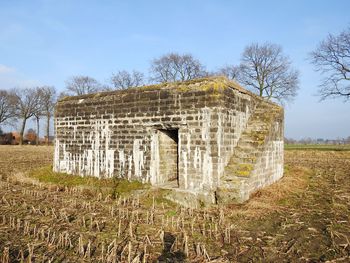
x=214, y=84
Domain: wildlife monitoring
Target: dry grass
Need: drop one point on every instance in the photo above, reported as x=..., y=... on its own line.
x=15, y=159
x=305, y=217
x=276, y=196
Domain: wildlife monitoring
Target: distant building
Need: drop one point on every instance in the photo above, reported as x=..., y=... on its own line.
x=16, y=137
x=6, y=138
x=10, y=138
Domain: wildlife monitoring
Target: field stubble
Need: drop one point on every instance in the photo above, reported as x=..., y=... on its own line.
x=302, y=218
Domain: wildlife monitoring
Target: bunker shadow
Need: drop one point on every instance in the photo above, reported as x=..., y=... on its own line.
x=167, y=255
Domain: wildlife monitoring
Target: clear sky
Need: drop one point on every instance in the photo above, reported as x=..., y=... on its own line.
x=45, y=42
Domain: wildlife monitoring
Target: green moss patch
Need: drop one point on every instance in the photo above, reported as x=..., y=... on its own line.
x=115, y=185
x=244, y=169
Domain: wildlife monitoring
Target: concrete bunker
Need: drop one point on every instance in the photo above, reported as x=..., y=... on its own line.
x=209, y=140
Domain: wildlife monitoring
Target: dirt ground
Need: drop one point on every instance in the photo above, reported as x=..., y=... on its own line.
x=305, y=217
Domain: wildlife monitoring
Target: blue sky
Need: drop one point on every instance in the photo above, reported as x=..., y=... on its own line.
x=45, y=42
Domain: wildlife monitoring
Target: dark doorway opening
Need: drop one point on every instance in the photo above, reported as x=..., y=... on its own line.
x=169, y=157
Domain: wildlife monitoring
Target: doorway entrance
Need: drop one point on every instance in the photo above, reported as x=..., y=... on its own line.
x=169, y=157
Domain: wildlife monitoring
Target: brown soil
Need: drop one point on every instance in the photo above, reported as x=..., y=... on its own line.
x=305, y=217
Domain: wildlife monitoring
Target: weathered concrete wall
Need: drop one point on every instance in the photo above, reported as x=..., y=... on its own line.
x=257, y=160
x=119, y=133
x=269, y=163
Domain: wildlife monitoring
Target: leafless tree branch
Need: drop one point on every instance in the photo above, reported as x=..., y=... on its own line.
x=266, y=71
x=80, y=85
x=229, y=71
x=124, y=79
x=7, y=105
x=174, y=67
x=332, y=59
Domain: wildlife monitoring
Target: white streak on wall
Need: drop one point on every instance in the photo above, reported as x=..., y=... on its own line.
x=207, y=165
x=188, y=144
x=154, y=168
x=207, y=169
x=205, y=112
x=97, y=161
x=184, y=162
x=219, y=134
x=197, y=162
x=221, y=169
x=110, y=162
x=138, y=158
x=75, y=132
x=278, y=153
x=89, y=170
x=130, y=167
x=121, y=163
x=56, y=156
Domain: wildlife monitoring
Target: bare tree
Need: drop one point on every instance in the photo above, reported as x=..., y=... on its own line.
x=47, y=100
x=27, y=104
x=265, y=70
x=332, y=58
x=175, y=67
x=124, y=79
x=7, y=106
x=229, y=71
x=37, y=116
x=80, y=85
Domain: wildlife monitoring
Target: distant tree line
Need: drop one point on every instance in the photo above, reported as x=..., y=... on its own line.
x=263, y=68
x=28, y=103
x=308, y=140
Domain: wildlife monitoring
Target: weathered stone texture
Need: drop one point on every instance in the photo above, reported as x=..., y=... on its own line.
x=179, y=134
